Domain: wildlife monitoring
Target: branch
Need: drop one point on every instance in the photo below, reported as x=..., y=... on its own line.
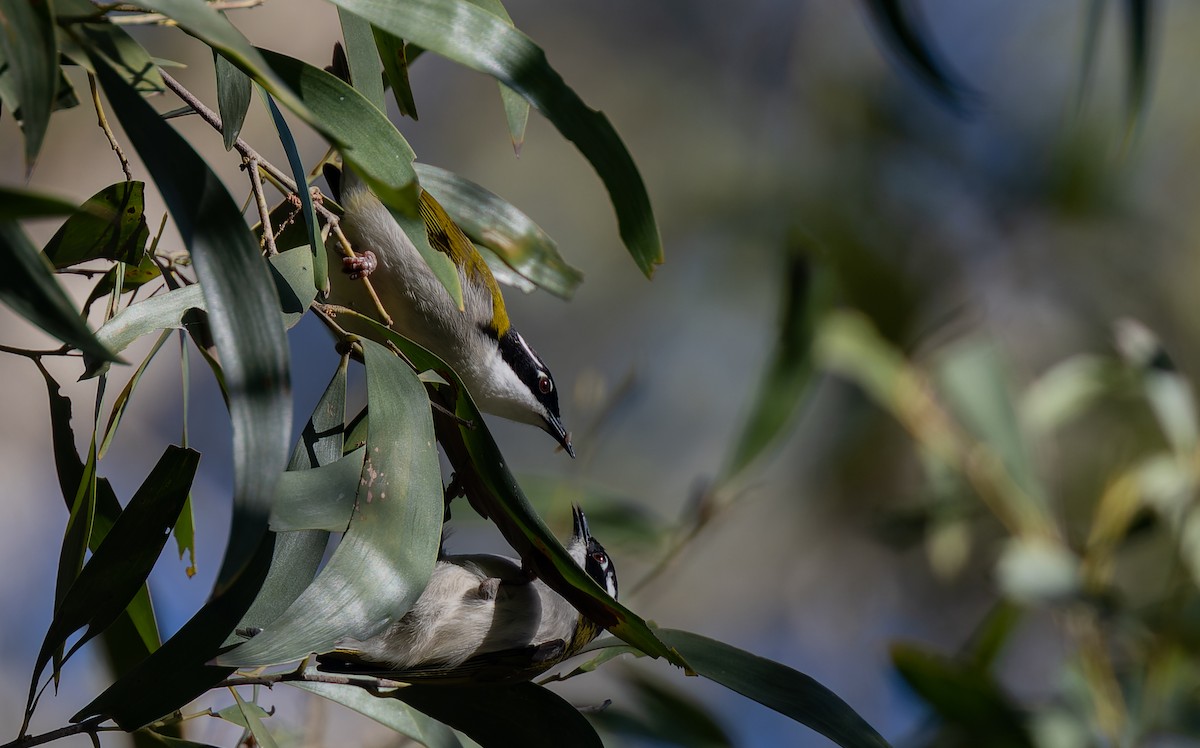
x=367, y=682
x=159, y=18
x=108, y=133
x=88, y=727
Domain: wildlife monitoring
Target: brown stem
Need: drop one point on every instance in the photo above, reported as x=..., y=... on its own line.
x=108, y=133
x=89, y=727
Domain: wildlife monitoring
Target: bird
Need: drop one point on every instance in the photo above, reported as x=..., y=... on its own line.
x=503, y=374
x=481, y=618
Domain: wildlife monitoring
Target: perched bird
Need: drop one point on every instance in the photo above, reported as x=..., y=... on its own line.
x=501, y=371
x=482, y=618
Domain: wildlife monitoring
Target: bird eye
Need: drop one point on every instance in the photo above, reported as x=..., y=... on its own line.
x=600, y=558
x=545, y=386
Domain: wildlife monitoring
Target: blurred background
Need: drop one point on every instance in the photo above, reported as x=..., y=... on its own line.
x=1032, y=218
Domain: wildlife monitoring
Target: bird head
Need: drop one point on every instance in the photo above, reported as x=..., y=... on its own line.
x=588, y=553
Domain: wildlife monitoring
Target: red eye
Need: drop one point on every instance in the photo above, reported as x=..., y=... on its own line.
x=600, y=558
x=545, y=386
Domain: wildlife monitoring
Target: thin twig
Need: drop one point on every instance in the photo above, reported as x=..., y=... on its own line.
x=310, y=676
x=63, y=351
x=88, y=726
x=273, y=173
x=264, y=211
x=108, y=133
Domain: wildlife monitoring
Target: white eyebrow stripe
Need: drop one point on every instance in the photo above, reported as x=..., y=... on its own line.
x=533, y=356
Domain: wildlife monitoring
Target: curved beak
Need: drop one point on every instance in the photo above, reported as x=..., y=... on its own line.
x=553, y=426
x=580, y=525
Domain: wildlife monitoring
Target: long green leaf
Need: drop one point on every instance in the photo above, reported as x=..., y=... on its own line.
x=366, y=69
x=121, y=563
x=493, y=222
x=394, y=55
x=31, y=49
x=367, y=139
x=482, y=41
x=298, y=554
x=254, y=721
x=516, y=108
x=110, y=225
x=318, y=499
x=387, y=554
x=18, y=203
x=291, y=272
x=787, y=691
x=392, y=713
x=28, y=287
x=1139, y=20
x=233, y=98
x=525, y=714
x=320, y=279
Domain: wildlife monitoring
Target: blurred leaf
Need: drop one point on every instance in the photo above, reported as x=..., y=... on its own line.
x=233, y=98
x=522, y=715
x=494, y=492
x=484, y=42
x=1165, y=389
x=898, y=23
x=391, y=713
x=1066, y=391
x=972, y=377
x=368, y=141
x=291, y=272
x=320, y=273
x=19, y=203
x=28, y=288
x=1037, y=570
x=962, y=696
x=253, y=714
x=122, y=561
x=807, y=291
x=133, y=277
x=993, y=634
x=170, y=741
x=496, y=224
x=791, y=693
x=298, y=554
x=663, y=715
x=322, y=498
x=610, y=651
x=366, y=69
x=394, y=56
x=110, y=225
x=131, y=61
x=122, y=401
x=31, y=51
x=386, y=556
x=235, y=713
x=623, y=521
x=1139, y=20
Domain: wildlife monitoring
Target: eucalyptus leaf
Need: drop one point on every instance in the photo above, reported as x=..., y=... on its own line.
x=391, y=713
x=298, y=555
x=525, y=714
x=110, y=225
x=366, y=69
x=322, y=498
x=495, y=223
x=122, y=561
x=394, y=55
x=31, y=50
x=233, y=98
x=386, y=556
x=482, y=41
x=89, y=33
x=20, y=203
x=320, y=267
x=29, y=288
x=516, y=108
x=253, y=714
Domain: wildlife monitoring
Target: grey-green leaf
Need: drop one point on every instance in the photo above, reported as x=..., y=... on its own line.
x=110, y=225
x=392, y=713
x=18, y=203
x=386, y=556
x=482, y=41
x=900, y=30
x=233, y=98
x=31, y=49
x=318, y=499
x=366, y=69
x=493, y=222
